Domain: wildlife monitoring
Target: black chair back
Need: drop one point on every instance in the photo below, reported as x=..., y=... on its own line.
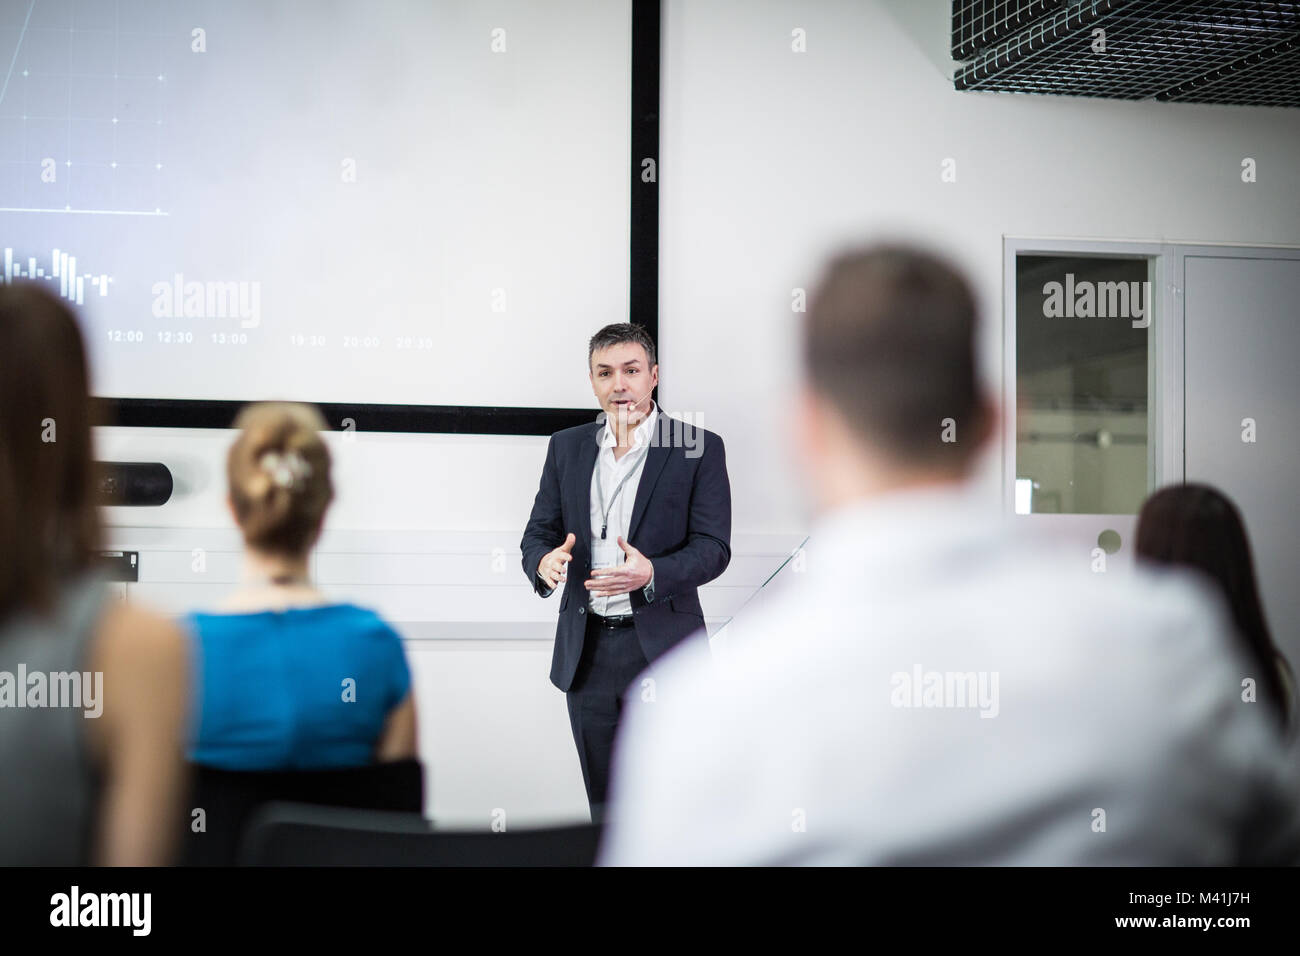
x=298, y=835
x=230, y=798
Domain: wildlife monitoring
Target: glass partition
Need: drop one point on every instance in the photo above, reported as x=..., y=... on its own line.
x=751, y=610
x=1083, y=383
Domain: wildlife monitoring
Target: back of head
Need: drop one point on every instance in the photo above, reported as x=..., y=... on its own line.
x=889, y=340
x=49, y=527
x=278, y=470
x=1196, y=526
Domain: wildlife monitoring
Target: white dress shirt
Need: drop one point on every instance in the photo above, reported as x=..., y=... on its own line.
x=1103, y=721
x=606, y=477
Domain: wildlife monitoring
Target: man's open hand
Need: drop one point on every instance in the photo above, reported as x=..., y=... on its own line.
x=633, y=573
x=553, y=568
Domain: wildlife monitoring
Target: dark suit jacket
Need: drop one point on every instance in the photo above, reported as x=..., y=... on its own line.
x=681, y=521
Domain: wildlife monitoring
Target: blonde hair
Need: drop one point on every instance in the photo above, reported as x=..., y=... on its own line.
x=278, y=470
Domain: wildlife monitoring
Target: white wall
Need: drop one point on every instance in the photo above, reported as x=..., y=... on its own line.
x=769, y=159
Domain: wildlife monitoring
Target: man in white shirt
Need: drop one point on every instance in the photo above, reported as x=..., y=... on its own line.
x=638, y=506
x=934, y=690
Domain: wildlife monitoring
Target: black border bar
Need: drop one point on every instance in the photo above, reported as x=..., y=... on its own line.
x=446, y=419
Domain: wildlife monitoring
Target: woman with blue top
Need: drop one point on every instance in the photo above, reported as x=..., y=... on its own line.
x=288, y=680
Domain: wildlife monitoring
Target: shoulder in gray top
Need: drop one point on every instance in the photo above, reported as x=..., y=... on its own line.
x=48, y=788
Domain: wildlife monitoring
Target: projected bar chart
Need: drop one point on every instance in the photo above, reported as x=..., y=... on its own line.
x=63, y=269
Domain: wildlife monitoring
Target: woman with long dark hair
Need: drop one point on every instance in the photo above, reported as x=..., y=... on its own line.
x=1196, y=526
x=93, y=773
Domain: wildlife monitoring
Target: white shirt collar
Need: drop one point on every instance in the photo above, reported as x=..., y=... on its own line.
x=640, y=434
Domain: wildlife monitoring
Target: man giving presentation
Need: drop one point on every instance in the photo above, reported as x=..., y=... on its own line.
x=632, y=515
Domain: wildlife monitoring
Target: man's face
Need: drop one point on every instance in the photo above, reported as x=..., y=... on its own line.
x=622, y=380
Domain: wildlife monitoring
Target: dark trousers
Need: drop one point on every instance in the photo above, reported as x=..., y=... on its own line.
x=611, y=661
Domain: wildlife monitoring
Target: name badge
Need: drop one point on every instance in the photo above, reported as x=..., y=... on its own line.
x=606, y=554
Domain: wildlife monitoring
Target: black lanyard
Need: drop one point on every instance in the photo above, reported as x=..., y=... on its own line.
x=600, y=494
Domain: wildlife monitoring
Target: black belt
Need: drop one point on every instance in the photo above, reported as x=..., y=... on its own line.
x=618, y=620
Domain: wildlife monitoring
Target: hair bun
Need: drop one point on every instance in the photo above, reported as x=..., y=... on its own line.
x=278, y=471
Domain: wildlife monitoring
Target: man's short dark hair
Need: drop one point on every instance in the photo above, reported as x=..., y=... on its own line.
x=618, y=333
x=889, y=340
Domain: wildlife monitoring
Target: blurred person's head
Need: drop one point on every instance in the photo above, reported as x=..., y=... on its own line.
x=891, y=397
x=623, y=369
x=49, y=525
x=278, y=470
x=1196, y=526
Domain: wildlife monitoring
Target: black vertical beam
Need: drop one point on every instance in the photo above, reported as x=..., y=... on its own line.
x=643, y=289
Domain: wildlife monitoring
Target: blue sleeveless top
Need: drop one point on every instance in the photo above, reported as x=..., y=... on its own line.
x=297, y=689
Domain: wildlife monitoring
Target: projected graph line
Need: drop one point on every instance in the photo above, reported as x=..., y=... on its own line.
x=14, y=59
